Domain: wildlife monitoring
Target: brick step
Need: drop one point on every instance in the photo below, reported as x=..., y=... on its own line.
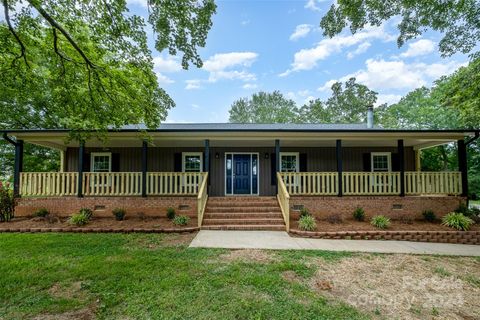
x=242, y=203
x=211, y=209
x=246, y=227
x=248, y=199
x=250, y=221
x=241, y=215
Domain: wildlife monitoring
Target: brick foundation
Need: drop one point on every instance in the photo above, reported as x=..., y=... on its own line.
x=103, y=206
x=461, y=237
x=411, y=206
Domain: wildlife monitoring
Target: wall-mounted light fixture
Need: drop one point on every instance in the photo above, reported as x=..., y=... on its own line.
x=217, y=155
x=267, y=155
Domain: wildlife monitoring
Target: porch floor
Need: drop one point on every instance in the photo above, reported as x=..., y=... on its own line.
x=282, y=241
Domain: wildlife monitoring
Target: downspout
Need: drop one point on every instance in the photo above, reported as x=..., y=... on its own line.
x=467, y=143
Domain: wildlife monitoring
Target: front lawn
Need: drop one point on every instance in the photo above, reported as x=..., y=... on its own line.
x=155, y=276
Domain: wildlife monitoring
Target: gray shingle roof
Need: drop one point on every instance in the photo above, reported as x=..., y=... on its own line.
x=255, y=126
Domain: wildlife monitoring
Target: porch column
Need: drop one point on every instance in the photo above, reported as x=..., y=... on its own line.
x=18, y=167
x=277, y=161
x=206, y=161
x=401, y=164
x=340, y=167
x=144, y=167
x=81, y=154
x=418, y=162
x=462, y=165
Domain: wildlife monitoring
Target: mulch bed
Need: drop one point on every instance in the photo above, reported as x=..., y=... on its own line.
x=130, y=224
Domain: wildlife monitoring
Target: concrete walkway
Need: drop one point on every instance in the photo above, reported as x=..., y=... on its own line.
x=281, y=240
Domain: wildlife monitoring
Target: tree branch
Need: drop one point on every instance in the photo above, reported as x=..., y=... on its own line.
x=12, y=30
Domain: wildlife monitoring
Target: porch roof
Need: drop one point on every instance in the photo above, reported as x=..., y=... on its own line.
x=249, y=134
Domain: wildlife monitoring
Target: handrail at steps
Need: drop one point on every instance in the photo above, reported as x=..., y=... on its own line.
x=283, y=200
x=202, y=199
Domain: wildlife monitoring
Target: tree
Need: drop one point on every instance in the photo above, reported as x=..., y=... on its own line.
x=86, y=65
x=458, y=20
x=348, y=104
x=264, y=107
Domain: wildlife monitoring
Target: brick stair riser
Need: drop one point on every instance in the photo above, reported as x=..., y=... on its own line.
x=245, y=227
x=242, y=204
x=246, y=199
x=210, y=222
x=242, y=215
x=245, y=210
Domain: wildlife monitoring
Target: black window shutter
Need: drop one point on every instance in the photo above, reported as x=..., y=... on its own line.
x=303, y=162
x=272, y=169
x=367, y=165
x=115, y=162
x=86, y=162
x=395, y=162
x=177, y=162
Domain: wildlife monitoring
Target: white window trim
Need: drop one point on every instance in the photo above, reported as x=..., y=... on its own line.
x=184, y=154
x=296, y=154
x=101, y=154
x=389, y=160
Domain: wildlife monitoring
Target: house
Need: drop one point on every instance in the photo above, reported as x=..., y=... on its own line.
x=243, y=176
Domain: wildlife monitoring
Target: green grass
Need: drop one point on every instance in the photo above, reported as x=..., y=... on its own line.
x=141, y=276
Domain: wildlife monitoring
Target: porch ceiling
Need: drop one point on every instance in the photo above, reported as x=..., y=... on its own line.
x=416, y=139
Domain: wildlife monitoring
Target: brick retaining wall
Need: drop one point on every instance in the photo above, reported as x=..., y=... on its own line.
x=103, y=206
x=411, y=206
x=461, y=237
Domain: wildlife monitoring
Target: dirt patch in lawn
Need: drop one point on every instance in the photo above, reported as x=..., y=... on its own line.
x=395, y=225
x=96, y=223
x=72, y=291
x=87, y=313
x=403, y=286
x=248, y=255
x=158, y=241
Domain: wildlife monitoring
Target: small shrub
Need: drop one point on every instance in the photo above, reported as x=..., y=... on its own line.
x=170, y=213
x=307, y=223
x=462, y=208
x=78, y=219
x=457, y=221
x=7, y=202
x=429, y=216
x=42, y=212
x=88, y=213
x=304, y=212
x=380, y=222
x=359, y=214
x=335, y=218
x=405, y=219
x=119, y=213
x=181, y=220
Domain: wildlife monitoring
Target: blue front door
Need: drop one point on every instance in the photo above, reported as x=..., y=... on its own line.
x=242, y=174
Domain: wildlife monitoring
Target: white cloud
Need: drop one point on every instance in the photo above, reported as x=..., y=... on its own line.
x=163, y=79
x=388, y=99
x=231, y=75
x=250, y=86
x=245, y=22
x=300, y=97
x=327, y=86
x=168, y=64
x=193, y=84
x=419, y=48
x=302, y=30
x=195, y=106
x=362, y=47
x=222, y=65
x=313, y=4
x=141, y=3
x=307, y=59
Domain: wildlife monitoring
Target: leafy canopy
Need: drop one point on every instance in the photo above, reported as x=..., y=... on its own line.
x=458, y=20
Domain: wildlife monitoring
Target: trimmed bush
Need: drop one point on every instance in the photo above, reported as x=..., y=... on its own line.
x=88, y=213
x=335, y=218
x=181, y=220
x=119, y=213
x=359, y=214
x=304, y=212
x=78, y=219
x=457, y=221
x=7, y=202
x=42, y=212
x=170, y=213
x=307, y=223
x=462, y=208
x=429, y=216
x=380, y=222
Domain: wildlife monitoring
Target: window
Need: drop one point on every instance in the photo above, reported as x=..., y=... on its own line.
x=101, y=162
x=289, y=162
x=192, y=162
x=381, y=161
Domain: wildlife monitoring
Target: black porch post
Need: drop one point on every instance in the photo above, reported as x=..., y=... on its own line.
x=462, y=165
x=401, y=163
x=81, y=154
x=18, y=167
x=340, y=167
x=206, y=164
x=277, y=161
x=144, y=167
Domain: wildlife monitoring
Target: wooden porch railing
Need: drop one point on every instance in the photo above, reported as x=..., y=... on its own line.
x=112, y=183
x=283, y=200
x=174, y=183
x=37, y=184
x=202, y=199
x=311, y=183
x=371, y=183
x=433, y=183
